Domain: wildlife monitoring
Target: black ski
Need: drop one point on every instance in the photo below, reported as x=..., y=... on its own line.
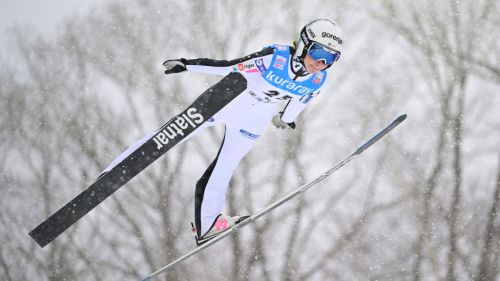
x=170, y=134
x=281, y=201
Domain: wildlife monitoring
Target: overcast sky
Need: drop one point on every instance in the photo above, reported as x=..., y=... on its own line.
x=43, y=15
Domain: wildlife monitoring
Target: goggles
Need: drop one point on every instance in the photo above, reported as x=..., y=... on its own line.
x=318, y=52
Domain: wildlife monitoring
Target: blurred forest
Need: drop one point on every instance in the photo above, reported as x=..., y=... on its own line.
x=422, y=204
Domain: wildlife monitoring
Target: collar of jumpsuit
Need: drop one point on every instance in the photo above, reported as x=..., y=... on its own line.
x=298, y=66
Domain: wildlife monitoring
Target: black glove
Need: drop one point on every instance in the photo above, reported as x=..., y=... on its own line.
x=280, y=124
x=175, y=66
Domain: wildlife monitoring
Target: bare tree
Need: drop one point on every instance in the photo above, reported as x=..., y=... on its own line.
x=75, y=101
x=441, y=35
x=488, y=265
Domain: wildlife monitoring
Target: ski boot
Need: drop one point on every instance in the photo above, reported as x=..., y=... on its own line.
x=220, y=225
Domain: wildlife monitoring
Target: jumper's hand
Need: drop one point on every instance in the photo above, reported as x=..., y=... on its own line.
x=174, y=66
x=280, y=124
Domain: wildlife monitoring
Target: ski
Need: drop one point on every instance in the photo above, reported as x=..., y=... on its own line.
x=170, y=134
x=281, y=201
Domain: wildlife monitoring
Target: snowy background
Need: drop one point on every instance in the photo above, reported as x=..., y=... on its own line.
x=79, y=82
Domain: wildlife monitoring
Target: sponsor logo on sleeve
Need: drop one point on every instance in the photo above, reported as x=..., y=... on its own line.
x=247, y=67
x=260, y=65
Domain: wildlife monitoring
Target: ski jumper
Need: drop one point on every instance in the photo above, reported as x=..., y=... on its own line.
x=273, y=76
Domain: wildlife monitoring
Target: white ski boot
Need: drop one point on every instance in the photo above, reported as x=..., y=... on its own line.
x=220, y=225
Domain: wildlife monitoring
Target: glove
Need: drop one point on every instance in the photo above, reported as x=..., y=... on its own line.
x=175, y=66
x=278, y=123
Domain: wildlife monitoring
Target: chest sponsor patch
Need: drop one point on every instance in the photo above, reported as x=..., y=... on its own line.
x=289, y=85
x=279, y=62
x=318, y=78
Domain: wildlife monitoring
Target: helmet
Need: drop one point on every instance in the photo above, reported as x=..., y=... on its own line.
x=321, y=33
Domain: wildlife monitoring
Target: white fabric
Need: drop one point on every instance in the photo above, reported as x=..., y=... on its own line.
x=258, y=86
x=245, y=119
x=240, y=114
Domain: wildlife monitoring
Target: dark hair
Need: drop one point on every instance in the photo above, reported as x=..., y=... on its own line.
x=294, y=47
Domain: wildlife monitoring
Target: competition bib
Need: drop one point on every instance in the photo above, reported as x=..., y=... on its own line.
x=277, y=74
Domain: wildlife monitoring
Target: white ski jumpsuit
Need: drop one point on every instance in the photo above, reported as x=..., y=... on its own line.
x=273, y=76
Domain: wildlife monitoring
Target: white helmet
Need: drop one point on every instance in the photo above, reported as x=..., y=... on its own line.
x=323, y=32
